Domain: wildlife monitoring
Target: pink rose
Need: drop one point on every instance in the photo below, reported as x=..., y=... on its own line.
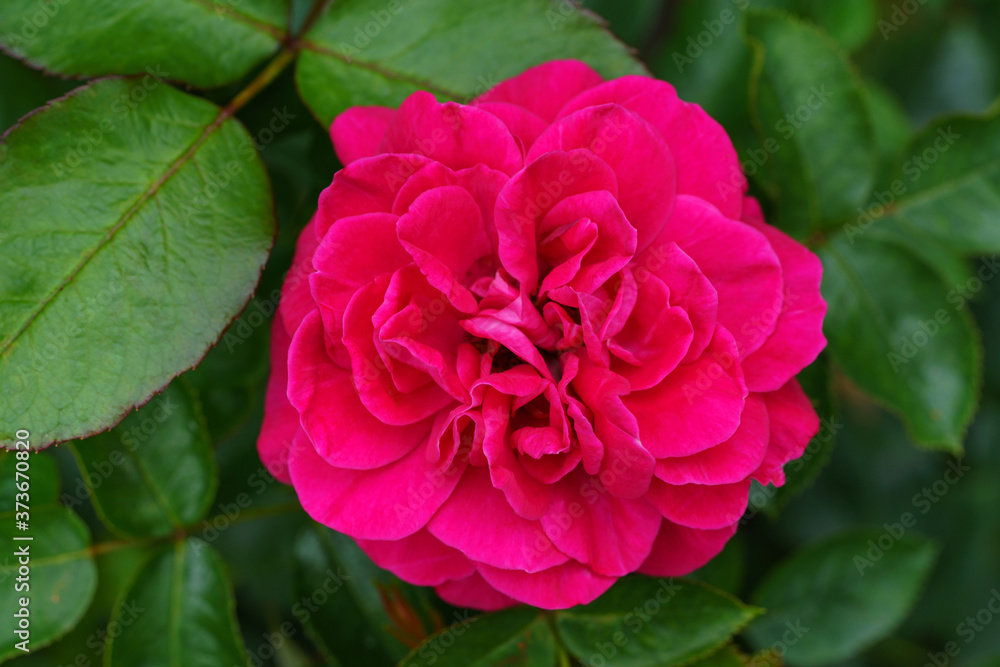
x=532, y=344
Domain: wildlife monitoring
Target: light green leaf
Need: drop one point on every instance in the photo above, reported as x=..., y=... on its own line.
x=61, y=581
x=201, y=42
x=364, y=52
x=154, y=473
x=519, y=636
x=902, y=335
x=835, y=598
x=179, y=610
x=645, y=622
x=812, y=122
x=132, y=237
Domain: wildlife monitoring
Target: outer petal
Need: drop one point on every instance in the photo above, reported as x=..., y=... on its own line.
x=641, y=160
x=478, y=521
x=281, y=420
x=545, y=88
x=695, y=407
x=798, y=336
x=456, y=135
x=369, y=185
x=611, y=535
x=793, y=423
x=387, y=503
x=701, y=506
x=357, y=132
x=560, y=587
x=680, y=550
x=740, y=263
x=296, y=299
x=474, y=592
x=342, y=431
x=420, y=559
x=707, y=164
x=729, y=462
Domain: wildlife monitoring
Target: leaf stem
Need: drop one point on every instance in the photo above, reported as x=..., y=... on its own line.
x=288, y=53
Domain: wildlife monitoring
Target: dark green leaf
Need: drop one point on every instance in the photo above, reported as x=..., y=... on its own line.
x=153, y=473
x=365, y=52
x=33, y=89
x=944, y=189
x=889, y=123
x=41, y=475
x=204, y=43
x=132, y=237
x=178, y=611
x=812, y=122
x=343, y=600
x=833, y=599
x=652, y=622
x=726, y=657
x=519, y=636
x=61, y=581
x=232, y=377
x=850, y=22
x=903, y=336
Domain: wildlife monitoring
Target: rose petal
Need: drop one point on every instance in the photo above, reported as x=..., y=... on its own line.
x=701, y=506
x=558, y=587
x=695, y=407
x=342, y=431
x=420, y=559
x=611, y=535
x=545, y=88
x=387, y=503
x=707, y=164
x=641, y=160
x=679, y=550
x=478, y=521
x=358, y=131
x=456, y=135
x=797, y=338
x=728, y=462
x=793, y=424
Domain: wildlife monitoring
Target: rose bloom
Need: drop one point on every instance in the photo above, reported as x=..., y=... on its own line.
x=534, y=343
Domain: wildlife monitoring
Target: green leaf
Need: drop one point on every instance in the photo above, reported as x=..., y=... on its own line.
x=903, y=336
x=62, y=577
x=518, y=636
x=353, y=624
x=726, y=657
x=812, y=123
x=642, y=621
x=232, y=377
x=179, y=610
x=835, y=598
x=131, y=239
x=154, y=473
x=33, y=90
x=850, y=22
x=944, y=189
x=364, y=52
x=889, y=123
x=204, y=43
x=41, y=475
